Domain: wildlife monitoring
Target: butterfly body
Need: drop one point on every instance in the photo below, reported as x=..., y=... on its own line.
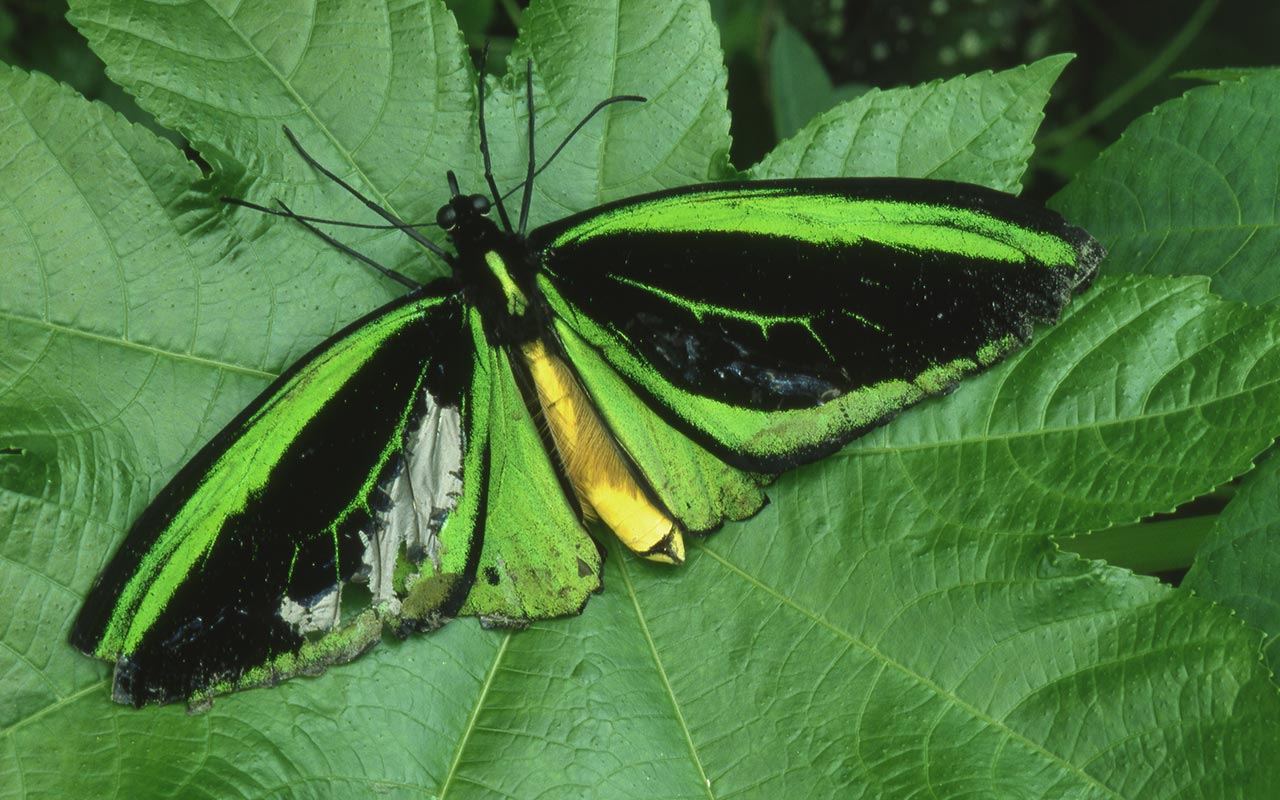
x=498, y=271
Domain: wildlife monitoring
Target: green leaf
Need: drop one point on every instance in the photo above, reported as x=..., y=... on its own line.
x=386, y=100
x=799, y=86
x=1224, y=74
x=1191, y=189
x=669, y=57
x=974, y=128
x=1237, y=563
x=798, y=83
x=895, y=623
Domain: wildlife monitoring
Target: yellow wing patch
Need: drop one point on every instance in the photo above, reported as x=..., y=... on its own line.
x=607, y=489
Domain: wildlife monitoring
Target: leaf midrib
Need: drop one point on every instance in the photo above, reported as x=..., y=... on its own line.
x=151, y=350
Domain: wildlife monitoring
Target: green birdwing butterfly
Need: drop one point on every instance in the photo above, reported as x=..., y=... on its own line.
x=650, y=363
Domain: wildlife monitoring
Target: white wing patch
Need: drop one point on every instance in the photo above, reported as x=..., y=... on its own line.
x=422, y=495
x=318, y=614
x=419, y=498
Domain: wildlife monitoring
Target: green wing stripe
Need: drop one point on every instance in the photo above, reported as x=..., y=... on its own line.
x=830, y=220
x=699, y=489
x=232, y=481
x=701, y=310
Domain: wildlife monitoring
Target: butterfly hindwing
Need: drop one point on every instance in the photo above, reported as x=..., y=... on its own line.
x=774, y=321
x=234, y=575
x=536, y=559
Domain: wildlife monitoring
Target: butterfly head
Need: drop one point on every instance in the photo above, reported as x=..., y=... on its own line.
x=454, y=216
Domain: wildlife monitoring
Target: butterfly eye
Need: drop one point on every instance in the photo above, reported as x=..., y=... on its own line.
x=447, y=218
x=480, y=203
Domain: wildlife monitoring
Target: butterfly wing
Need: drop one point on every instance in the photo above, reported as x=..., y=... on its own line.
x=771, y=322
x=234, y=574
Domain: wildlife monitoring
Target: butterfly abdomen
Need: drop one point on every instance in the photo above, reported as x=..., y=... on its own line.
x=607, y=487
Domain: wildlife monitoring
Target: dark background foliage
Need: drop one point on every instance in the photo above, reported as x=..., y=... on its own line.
x=1129, y=59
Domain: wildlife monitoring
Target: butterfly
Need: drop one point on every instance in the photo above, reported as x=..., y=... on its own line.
x=650, y=364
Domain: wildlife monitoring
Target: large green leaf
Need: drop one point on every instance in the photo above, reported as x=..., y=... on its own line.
x=974, y=128
x=1238, y=561
x=1191, y=189
x=895, y=622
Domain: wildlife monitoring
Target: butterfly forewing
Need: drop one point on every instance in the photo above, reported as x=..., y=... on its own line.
x=774, y=321
x=233, y=576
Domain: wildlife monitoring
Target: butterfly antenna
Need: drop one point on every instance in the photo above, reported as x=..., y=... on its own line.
x=601, y=106
x=528, y=177
x=395, y=221
x=372, y=226
x=390, y=273
x=484, y=146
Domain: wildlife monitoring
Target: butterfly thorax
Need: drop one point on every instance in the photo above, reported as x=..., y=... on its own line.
x=492, y=266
